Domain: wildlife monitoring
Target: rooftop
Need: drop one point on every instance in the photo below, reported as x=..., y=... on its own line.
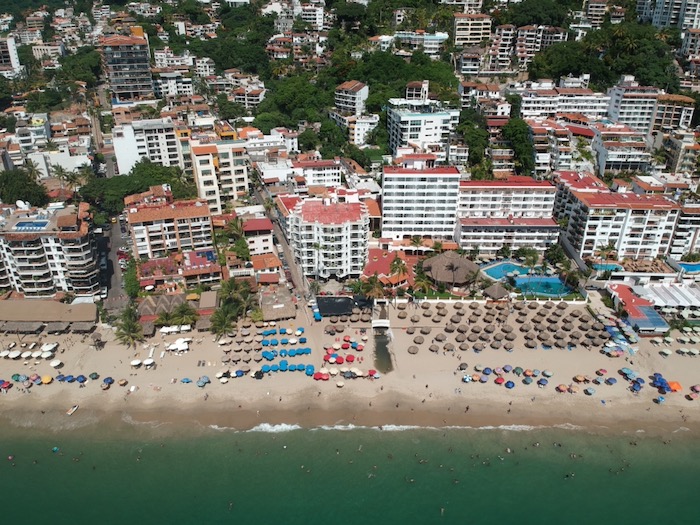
x=318, y=211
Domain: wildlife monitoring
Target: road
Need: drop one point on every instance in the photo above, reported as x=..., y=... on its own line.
x=116, y=298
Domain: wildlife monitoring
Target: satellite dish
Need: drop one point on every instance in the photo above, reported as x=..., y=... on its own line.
x=22, y=205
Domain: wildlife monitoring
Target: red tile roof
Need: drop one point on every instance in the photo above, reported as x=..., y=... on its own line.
x=253, y=225
x=509, y=182
x=333, y=213
x=629, y=299
x=629, y=201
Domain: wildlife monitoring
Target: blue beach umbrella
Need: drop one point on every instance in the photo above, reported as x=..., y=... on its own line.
x=274, y=342
x=185, y=380
x=292, y=352
x=284, y=341
x=528, y=380
x=507, y=368
x=81, y=378
x=639, y=380
x=611, y=380
x=536, y=373
x=275, y=368
x=265, y=342
x=301, y=368
x=487, y=371
x=636, y=387
x=302, y=340
x=543, y=382
x=484, y=378
x=283, y=330
x=283, y=353
x=240, y=373
x=309, y=370
x=205, y=379
x=265, y=368
x=283, y=366
x=292, y=367
x=108, y=380
x=510, y=384
x=70, y=379
x=300, y=329
x=201, y=384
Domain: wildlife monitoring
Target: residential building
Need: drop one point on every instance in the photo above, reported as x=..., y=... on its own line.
x=568, y=182
x=204, y=67
x=636, y=226
x=165, y=58
x=53, y=50
x=172, y=83
x=158, y=229
x=359, y=127
x=419, y=202
x=10, y=66
x=33, y=132
x=531, y=39
x=423, y=123
x=682, y=152
x=543, y=99
x=430, y=43
x=619, y=148
x=350, y=97
x=471, y=61
x=552, y=146
x=632, y=104
x=220, y=170
x=126, y=61
x=258, y=235
x=673, y=112
x=502, y=48
x=595, y=12
x=469, y=6
x=489, y=235
x=329, y=239
x=471, y=29
x=327, y=173
x=153, y=139
x=47, y=251
x=686, y=235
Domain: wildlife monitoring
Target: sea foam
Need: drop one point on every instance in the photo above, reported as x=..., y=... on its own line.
x=274, y=429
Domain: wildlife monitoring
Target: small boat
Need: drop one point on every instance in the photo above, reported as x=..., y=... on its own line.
x=72, y=410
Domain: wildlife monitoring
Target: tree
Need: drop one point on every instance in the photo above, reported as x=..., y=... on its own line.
x=422, y=284
x=222, y=320
x=451, y=267
x=132, y=286
x=165, y=319
x=129, y=330
x=504, y=251
x=374, y=289
x=398, y=267
x=606, y=250
x=517, y=132
x=228, y=110
x=555, y=254
x=308, y=140
x=32, y=169
x=437, y=246
x=17, y=185
x=184, y=313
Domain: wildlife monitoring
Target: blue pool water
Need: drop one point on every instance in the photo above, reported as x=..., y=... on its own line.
x=30, y=225
x=690, y=267
x=607, y=267
x=546, y=286
x=500, y=270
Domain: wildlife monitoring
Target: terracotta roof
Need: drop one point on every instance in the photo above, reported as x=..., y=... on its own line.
x=253, y=225
x=266, y=261
x=333, y=213
x=373, y=208
x=180, y=210
x=630, y=201
x=351, y=85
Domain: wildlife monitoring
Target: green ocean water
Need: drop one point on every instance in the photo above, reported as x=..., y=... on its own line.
x=350, y=476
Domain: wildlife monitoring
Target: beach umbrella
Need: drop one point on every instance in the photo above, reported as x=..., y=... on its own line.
x=490, y=328
x=499, y=381
x=94, y=376
x=460, y=338
x=484, y=336
x=478, y=347
x=509, y=346
x=449, y=347
x=589, y=391
x=611, y=380
x=561, y=388
x=547, y=373
x=509, y=385
x=425, y=330
x=124, y=382
x=526, y=327
x=463, y=347
x=476, y=328
x=518, y=370
x=543, y=381
x=440, y=337
x=462, y=329
x=528, y=380
x=46, y=380
x=499, y=337
x=472, y=337
x=511, y=336
x=434, y=348
x=108, y=381
x=418, y=339
x=415, y=318
x=412, y=350
x=449, y=328
x=530, y=343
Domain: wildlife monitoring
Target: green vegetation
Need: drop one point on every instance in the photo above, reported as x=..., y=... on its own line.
x=107, y=194
x=555, y=254
x=517, y=133
x=129, y=330
x=132, y=286
x=84, y=65
x=236, y=299
x=19, y=184
x=627, y=48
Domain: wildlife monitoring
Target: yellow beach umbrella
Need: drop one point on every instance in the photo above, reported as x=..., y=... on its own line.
x=46, y=380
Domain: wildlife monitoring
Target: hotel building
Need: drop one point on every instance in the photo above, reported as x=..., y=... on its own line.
x=220, y=172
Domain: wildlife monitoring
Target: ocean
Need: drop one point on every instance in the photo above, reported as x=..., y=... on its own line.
x=286, y=475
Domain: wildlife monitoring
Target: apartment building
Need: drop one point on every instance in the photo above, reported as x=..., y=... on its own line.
x=424, y=123
x=637, y=226
x=673, y=112
x=153, y=139
x=502, y=48
x=632, y=104
x=51, y=50
x=350, y=97
x=170, y=83
x=10, y=66
x=329, y=239
x=489, y=235
x=419, y=202
x=160, y=228
x=471, y=29
x=468, y=6
x=552, y=146
x=166, y=58
x=220, y=170
x=359, y=127
x=568, y=182
x=530, y=40
x=430, y=43
x=595, y=12
x=33, y=132
x=619, y=148
x=258, y=235
x=686, y=235
x=545, y=99
x=682, y=152
x=327, y=173
x=47, y=251
x=471, y=61
x=126, y=62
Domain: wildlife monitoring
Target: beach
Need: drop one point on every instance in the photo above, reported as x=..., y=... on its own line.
x=424, y=389
x=415, y=445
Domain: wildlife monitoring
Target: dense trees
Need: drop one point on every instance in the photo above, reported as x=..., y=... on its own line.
x=538, y=12
x=627, y=48
x=18, y=184
x=84, y=65
x=517, y=133
x=108, y=194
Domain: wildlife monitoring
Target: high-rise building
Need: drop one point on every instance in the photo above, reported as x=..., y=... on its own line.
x=152, y=139
x=350, y=97
x=126, y=61
x=419, y=202
x=47, y=251
x=220, y=172
x=9, y=59
x=471, y=29
x=632, y=104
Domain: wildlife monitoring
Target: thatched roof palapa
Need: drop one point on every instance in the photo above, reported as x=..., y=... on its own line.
x=449, y=267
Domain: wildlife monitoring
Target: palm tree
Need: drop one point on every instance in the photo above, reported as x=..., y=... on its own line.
x=531, y=259
x=398, y=267
x=423, y=284
x=437, y=246
x=184, y=313
x=451, y=267
x=374, y=288
x=165, y=319
x=416, y=241
x=60, y=173
x=235, y=228
x=317, y=249
x=314, y=287
x=51, y=145
x=356, y=287
x=606, y=250
x=129, y=330
x=473, y=279
x=32, y=169
x=222, y=320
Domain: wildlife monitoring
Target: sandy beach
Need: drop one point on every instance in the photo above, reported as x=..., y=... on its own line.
x=424, y=389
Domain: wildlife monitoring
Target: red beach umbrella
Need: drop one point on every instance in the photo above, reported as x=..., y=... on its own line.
x=339, y=360
x=346, y=338
x=318, y=376
x=350, y=358
x=325, y=377
x=360, y=348
x=499, y=381
x=345, y=346
x=371, y=372
x=327, y=357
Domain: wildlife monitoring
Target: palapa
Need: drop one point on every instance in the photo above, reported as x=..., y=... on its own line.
x=568, y=327
x=473, y=319
x=425, y=330
x=449, y=328
x=576, y=313
x=532, y=306
x=476, y=329
x=484, y=336
x=575, y=335
x=437, y=319
x=449, y=347
x=419, y=339
x=490, y=328
x=472, y=337
x=440, y=305
x=462, y=328
x=508, y=346
x=530, y=335
x=425, y=306
x=459, y=305
x=488, y=319
x=411, y=330
x=560, y=343
x=403, y=315
x=442, y=312
x=519, y=305
x=455, y=319
x=434, y=348
x=473, y=305
x=559, y=335
x=496, y=292
x=463, y=347
x=507, y=328
x=549, y=305
x=460, y=338
x=495, y=344
x=427, y=313
x=413, y=350
x=450, y=267
x=499, y=337
x=562, y=305
x=510, y=336
x=440, y=337
x=401, y=306
x=526, y=327
x=478, y=346
x=415, y=318
x=543, y=336
x=530, y=343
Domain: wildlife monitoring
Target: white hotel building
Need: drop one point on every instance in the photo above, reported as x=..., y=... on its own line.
x=419, y=202
x=329, y=239
x=424, y=124
x=220, y=172
x=153, y=139
x=515, y=212
x=638, y=226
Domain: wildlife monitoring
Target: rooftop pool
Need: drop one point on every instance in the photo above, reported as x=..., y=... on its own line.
x=607, y=267
x=543, y=286
x=690, y=267
x=30, y=225
x=499, y=270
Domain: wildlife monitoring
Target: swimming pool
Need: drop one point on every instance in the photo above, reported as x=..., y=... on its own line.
x=545, y=286
x=30, y=225
x=690, y=267
x=499, y=270
x=608, y=267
